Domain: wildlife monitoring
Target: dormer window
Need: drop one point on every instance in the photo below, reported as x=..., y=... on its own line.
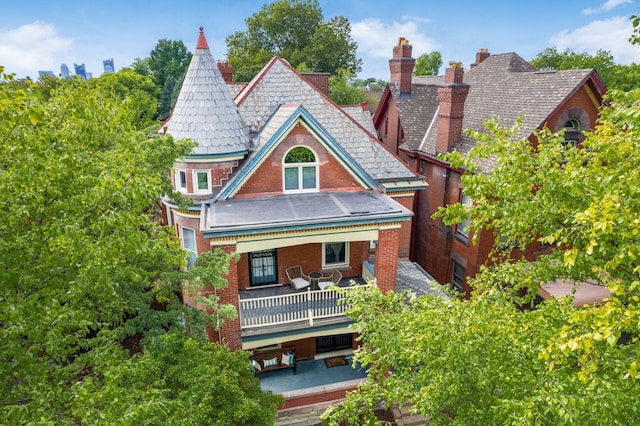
x=300, y=170
x=201, y=181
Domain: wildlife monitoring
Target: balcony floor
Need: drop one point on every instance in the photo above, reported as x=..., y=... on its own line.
x=310, y=374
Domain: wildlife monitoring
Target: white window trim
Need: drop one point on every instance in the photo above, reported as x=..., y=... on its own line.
x=177, y=177
x=196, y=190
x=335, y=265
x=300, y=166
x=462, y=229
x=195, y=242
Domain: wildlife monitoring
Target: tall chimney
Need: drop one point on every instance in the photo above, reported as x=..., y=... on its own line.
x=451, y=112
x=401, y=66
x=226, y=70
x=481, y=55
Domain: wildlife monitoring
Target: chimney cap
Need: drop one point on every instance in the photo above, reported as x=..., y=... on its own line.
x=403, y=41
x=455, y=65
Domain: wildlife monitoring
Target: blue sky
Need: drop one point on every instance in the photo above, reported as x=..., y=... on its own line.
x=42, y=34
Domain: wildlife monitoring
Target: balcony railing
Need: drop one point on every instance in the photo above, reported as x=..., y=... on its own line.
x=305, y=306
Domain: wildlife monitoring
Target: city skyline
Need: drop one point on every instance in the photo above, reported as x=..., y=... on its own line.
x=44, y=36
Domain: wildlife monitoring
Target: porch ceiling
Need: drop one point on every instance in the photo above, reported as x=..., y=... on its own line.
x=242, y=216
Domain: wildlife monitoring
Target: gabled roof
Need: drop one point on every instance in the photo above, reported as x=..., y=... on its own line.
x=504, y=85
x=205, y=110
x=282, y=121
x=278, y=83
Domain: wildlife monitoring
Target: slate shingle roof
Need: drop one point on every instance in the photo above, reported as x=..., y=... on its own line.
x=504, y=85
x=205, y=110
x=278, y=83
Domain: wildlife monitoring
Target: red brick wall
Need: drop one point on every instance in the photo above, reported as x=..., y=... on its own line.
x=386, y=261
x=219, y=174
x=404, y=246
x=580, y=99
x=389, y=130
x=268, y=179
x=230, y=330
x=320, y=80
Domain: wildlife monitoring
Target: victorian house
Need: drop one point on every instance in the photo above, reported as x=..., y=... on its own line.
x=300, y=188
x=419, y=118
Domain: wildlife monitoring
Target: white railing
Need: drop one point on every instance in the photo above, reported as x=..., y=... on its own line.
x=305, y=306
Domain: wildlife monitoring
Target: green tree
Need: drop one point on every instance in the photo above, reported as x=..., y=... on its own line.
x=138, y=91
x=428, y=64
x=614, y=76
x=342, y=92
x=86, y=269
x=169, y=58
x=484, y=361
x=294, y=30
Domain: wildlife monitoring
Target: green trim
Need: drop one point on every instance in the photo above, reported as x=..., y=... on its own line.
x=296, y=332
x=216, y=156
x=303, y=227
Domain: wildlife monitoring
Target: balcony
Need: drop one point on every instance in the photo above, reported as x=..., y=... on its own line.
x=298, y=309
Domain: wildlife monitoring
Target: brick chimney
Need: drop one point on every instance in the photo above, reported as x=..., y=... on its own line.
x=319, y=79
x=401, y=66
x=451, y=96
x=226, y=70
x=481, y=55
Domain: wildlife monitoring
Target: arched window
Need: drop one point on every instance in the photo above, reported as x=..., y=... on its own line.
x=573, y=125
x=300, y=170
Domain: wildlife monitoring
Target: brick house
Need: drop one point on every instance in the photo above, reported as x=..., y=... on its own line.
x=283, y=176
x=421, y=117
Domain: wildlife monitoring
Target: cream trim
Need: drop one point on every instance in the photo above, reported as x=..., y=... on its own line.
x=194, y=215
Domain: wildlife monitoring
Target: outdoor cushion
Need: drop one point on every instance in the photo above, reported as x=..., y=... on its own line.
x=270, y=362
x=256, y=365
x=286, y=359
x=299, y=283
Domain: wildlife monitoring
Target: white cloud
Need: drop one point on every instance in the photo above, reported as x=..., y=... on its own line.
x=31, y=48
x=609, y=34
x=607, y=6
x=376, y=40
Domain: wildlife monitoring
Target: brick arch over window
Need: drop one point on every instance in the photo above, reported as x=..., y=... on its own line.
x=573, y=114
x=300, y=171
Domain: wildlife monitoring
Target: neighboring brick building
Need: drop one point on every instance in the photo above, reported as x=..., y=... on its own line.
x=420, y=117
x=283, y=176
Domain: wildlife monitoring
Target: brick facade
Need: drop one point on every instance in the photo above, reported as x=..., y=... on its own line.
x=386, y=261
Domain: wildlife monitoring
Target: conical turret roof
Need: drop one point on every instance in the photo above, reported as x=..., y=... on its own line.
x=205, y=110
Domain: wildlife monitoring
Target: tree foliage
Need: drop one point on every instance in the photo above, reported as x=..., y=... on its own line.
x=342, y=91
x=86, y=268
x=614, y=76
x=296, y=31
x=428, y=64
x=484, y=361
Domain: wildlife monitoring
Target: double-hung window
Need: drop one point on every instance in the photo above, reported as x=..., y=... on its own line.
x=300, y=170
x=201, y=181
x=457, y=280
x=188, y=239
x=462, y=229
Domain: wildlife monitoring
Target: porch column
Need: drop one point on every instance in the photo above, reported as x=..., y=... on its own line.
x=230, y=330
x=386, y=261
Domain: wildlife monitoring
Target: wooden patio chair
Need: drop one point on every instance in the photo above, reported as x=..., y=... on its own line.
x=297, y=278
x=333, y=279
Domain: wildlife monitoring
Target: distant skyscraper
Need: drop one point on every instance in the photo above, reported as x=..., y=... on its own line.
x=64, y=69
x=43, y=73
x=108, y=65
x=80, y=70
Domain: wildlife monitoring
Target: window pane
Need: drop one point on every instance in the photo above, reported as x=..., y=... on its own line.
x=203, y=181
x=334, y=253
x=464, y=225
x=300, y=154
x=308, y=177
x=291, y=178
x=189, y=244
x=182, y=179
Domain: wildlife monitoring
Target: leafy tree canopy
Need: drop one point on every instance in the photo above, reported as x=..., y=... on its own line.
x=342, y=91
x=428, y=64
x=484, y=361
x=296, y=31
x=87, y=270
x=614, y=76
